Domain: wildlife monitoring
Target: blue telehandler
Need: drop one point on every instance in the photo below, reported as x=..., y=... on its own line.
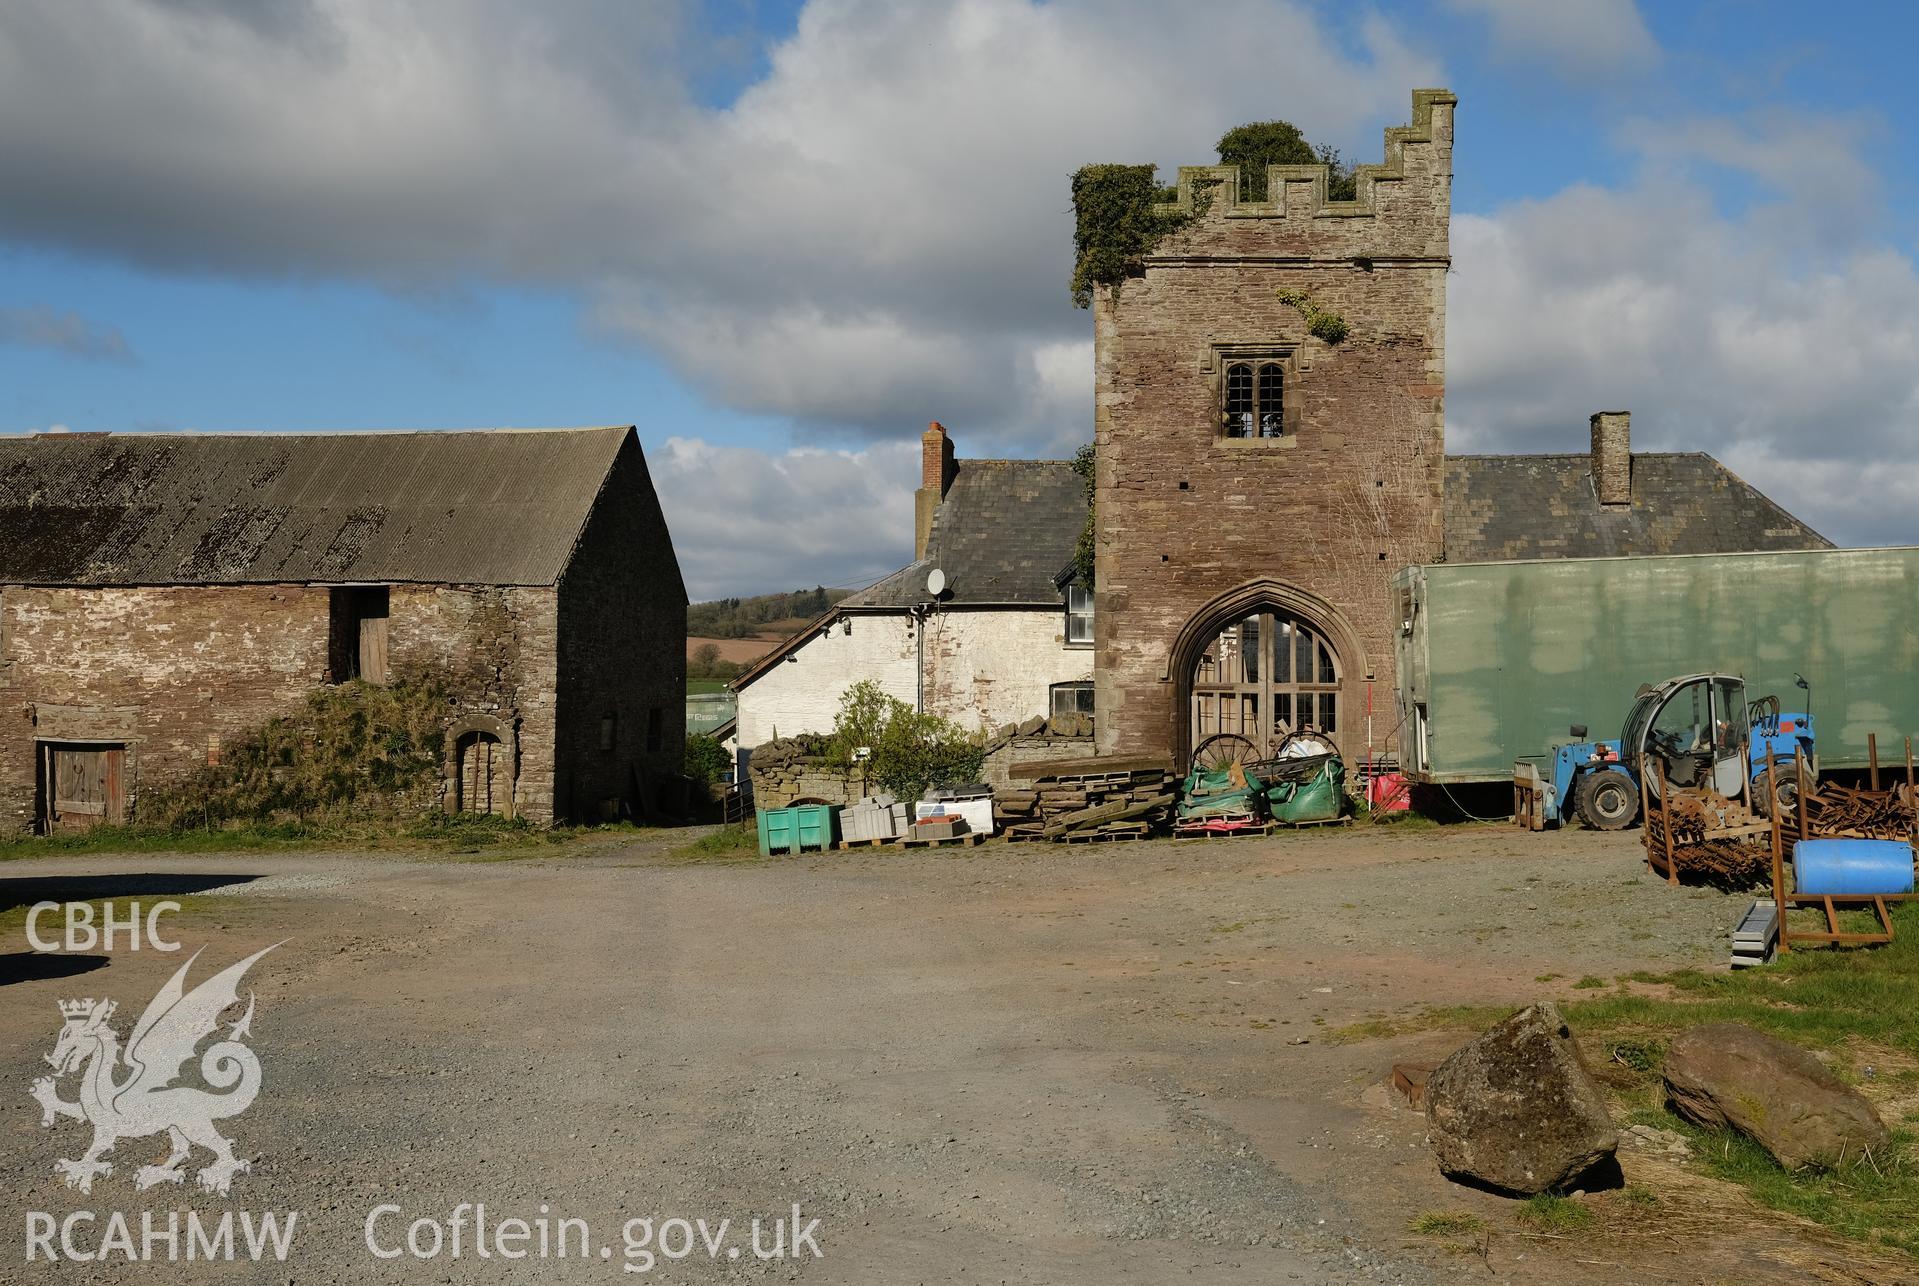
x=1700, y=729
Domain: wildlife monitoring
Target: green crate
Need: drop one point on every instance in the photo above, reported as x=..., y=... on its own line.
x=795, y=829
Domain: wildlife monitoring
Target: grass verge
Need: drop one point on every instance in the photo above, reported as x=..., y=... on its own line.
x=493, y=838
x=723, y=844
x=1859, y=1007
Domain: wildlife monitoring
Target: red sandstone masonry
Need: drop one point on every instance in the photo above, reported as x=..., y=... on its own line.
x=178, y=671
x=1348, y=498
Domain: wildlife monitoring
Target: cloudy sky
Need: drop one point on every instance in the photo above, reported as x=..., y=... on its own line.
x=780, y=237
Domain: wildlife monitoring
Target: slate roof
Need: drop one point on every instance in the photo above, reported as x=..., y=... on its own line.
x=486, y=507
x=1501, y=507
x=1003, y=535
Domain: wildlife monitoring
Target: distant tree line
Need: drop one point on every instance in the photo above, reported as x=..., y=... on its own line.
x=742, y=618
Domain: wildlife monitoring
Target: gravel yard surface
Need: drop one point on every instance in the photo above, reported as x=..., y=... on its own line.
x=1032, y=1063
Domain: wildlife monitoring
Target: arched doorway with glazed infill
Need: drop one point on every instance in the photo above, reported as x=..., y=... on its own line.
x=1259, y=668
x=1263, y=679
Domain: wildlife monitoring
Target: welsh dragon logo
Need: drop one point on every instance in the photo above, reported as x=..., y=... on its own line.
x=144, y=1099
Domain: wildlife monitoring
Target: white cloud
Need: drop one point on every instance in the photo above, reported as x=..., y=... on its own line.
x=876, y=231
x=38, y=326
x=1575, y=35
x=1787, y=349
x=746, y=521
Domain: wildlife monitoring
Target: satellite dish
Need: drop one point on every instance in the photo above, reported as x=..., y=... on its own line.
x=936, y=582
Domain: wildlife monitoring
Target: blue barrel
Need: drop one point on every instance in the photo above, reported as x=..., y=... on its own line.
x=1853, y=867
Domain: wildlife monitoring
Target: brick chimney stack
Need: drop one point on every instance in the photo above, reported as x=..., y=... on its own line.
x=937, y=470
x=1612, y=458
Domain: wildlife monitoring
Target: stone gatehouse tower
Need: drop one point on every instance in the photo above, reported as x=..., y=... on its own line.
x=1257, y=485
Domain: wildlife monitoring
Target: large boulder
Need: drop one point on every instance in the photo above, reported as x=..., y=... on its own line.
x=1728, y=1074
x=1518, y=1109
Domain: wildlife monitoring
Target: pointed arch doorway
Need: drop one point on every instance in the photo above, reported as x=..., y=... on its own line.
x=1263, y=662
x=1263, y=678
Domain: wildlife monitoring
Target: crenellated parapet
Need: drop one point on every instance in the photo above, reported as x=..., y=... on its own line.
x=1409, y=189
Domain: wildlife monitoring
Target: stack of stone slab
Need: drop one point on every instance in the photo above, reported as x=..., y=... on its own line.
x=875, y=819
x=1110, y=797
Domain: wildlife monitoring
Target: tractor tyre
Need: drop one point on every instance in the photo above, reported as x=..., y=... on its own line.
x=1762, y=796
x=1607, y=800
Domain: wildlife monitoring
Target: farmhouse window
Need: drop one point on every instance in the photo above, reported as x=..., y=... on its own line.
x=1079, y=616
x=1072, y=698
x=357, y=635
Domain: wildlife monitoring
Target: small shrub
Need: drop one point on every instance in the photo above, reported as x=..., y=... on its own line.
x=1320, y=322
x=1083, y=464
x=1446, y=1223
x=1640, y=1055
x=910, y=750
x=1551, y=1213
x=1588, y=983
x=706, y=759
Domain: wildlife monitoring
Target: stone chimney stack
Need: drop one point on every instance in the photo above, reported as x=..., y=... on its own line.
x=937, y=470
x=1612, y=458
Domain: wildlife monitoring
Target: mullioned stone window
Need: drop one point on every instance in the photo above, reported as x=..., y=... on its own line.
x=1257, y=389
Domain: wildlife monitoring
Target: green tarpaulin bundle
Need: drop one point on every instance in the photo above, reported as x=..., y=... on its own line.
x=1218, y=794
x=1313, y=791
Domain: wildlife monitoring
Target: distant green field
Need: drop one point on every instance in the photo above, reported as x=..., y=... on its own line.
x=704, y=687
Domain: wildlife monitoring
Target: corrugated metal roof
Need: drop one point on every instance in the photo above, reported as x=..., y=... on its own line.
x=484, y=507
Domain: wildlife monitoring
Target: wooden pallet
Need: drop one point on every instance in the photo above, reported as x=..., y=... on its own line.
x=1324, y=821
x=967, y=840
x=1096, y=837
x=887, y=842
x=1232, y=819
x=1263, y=828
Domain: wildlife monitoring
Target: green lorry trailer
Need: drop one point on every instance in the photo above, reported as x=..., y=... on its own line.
x=1499, y=660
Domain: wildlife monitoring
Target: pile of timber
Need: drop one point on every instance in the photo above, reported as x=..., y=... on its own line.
x=1834, y=811
x=1107, y=798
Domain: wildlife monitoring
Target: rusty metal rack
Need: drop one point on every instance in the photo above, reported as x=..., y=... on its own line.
x=1699, y=833
x=1804, y=824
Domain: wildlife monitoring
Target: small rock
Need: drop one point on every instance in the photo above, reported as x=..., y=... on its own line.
x=1728, y=1074
x=1653, y=1139
x=1517, y=1109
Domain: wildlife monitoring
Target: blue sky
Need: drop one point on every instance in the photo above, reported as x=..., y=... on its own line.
x=781, y=237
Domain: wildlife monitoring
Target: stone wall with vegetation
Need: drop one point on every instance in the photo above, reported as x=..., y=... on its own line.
x=187, y=676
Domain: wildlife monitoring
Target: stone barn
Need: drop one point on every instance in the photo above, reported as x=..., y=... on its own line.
x=163, y=594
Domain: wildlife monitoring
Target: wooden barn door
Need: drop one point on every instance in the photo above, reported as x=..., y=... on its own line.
x=83, y=785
